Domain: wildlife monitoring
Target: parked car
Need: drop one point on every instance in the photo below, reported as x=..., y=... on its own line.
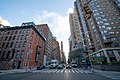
x=68, y=66
x=60, y=66
x=74, y=64
x=53, y=64
x=47, y=67
x=40, y=67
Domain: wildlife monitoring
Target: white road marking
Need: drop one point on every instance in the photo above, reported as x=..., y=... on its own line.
x=76, y=71
x=69, y=71
x=65, y=71
x=58, y=71
x=73, y=71
x=62, y=71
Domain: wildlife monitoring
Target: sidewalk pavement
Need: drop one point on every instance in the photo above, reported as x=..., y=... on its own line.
x=2, y=72
x=110, y=74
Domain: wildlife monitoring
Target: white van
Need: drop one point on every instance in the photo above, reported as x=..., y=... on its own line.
x=53, y=64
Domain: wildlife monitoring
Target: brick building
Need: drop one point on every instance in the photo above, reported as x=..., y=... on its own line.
x=44, y=29
x=56, y=49
x=21, y=46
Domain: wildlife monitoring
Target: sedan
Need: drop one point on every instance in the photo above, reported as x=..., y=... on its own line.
x=68, y=67
x=60, y=67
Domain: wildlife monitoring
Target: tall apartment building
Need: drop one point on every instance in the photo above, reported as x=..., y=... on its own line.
x=48, y=35
x=63, y=58
x=100, y=31
x=56, y=50
x=74, y=40
x=21, y=46
x=70, y=43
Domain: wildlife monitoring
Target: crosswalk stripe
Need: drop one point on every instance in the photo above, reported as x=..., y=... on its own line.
x=73, y=71
x=61, y=71
x=65, y=71
x=76, y=71
x=58, y=71
x=69, y=71
x=80, y=71
x=54, y=71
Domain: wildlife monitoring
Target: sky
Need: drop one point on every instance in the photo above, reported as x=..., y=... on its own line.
x=55, y=13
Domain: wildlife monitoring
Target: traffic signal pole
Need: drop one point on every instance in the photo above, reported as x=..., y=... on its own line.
x=88, y=14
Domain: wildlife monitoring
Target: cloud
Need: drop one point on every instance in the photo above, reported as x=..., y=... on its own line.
x=58, y=24
x=4, y=22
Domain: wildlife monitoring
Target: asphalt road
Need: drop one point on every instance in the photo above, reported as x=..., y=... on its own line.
x=62, y=74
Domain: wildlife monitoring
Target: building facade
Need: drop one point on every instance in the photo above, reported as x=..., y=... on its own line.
x=48, y=35
x=56, y=50
x=63, y=58
x=75, y=40
x=21, y=47
x=100, y=28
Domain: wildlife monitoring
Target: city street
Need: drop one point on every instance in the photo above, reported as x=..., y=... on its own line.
x=55, y=74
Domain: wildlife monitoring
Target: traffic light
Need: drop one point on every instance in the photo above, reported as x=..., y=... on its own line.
x=88, y=12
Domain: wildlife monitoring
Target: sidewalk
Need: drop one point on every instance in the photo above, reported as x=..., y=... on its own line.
x=2, y=72
x=110, y=74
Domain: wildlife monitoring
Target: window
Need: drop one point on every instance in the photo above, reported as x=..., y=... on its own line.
x=31, y=38
x=3, y=44
x=17, y=54
x=16, y=32
x=3, y=54
x=8, y=32
x=8, y=55
x=104, y=38
x=104, y=19
x=12, y=32
x=11, y=44
x=22, y=54
x=28, y=31
x=108, y=28
x=16, y=44
x=9, y=38
x=18, y=37
x=106, y=24
x=20, y=44
x=30, y=45
x=24, y=44
x=6, y=38
x=1, y=38
x=24, y=31
x=32, y=32
x=103, y=26
x=105, y=31
x=22, y=37
x=14, y=37
x=7, y=44
x=111, y=32
x=26, y=37
x=20, y=32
